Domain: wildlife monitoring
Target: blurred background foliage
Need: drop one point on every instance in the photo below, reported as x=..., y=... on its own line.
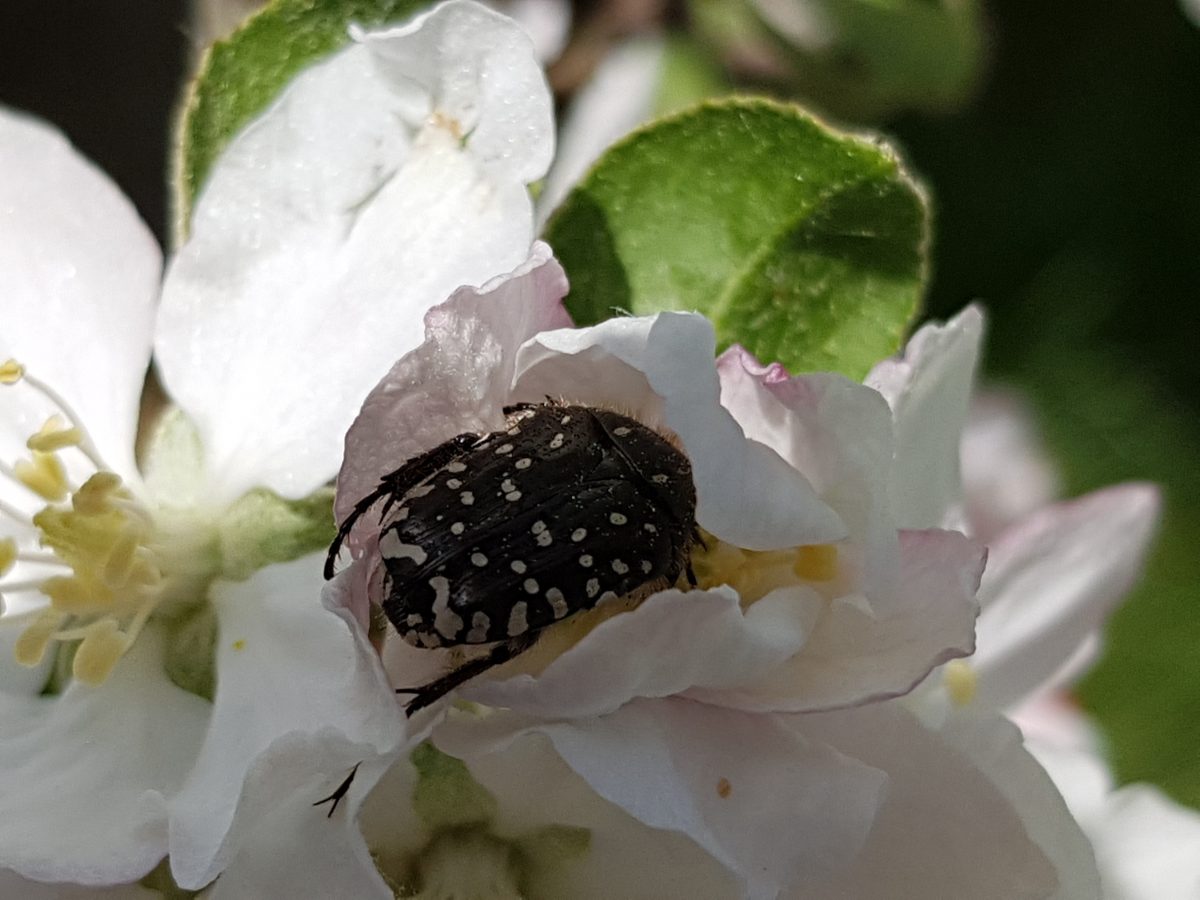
x=1060, y=143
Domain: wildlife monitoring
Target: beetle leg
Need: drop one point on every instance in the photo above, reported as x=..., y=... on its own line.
x=434, y=690
x=336, y=797
x=396, y=484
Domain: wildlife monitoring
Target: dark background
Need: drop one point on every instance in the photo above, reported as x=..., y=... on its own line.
x=1067, y=197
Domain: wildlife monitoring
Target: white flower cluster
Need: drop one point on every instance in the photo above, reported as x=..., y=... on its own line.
x=821, y=716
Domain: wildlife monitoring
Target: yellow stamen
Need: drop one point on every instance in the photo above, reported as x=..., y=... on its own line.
x=8, y=554
x=44, y=475
x=961, y=682
x=32, y=642
x=94, y=496
x=54, y=435
x=11, y=372
x=121, y=558
x=70, y=594
x=99, y=652
x=817, y=562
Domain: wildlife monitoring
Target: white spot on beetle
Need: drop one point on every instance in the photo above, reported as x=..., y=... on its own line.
x=650, y=528
x=660, y=478
x=419, y=491
x=545, y=539
x=586, y=560
x=517, y=566
x=619, y=567
x=557, y=441
x=458, y=528
x=517, y=621
x=524, y=462
x=507, y=486
x=617, y=518
x=513, y=497
x=504, y=449
x=413, y=620
x=446, y=621
x=593, y=587
x=646, y=565
x=531, y=586
x=578, y=534
x=453, y=483
x=558, y=602
x=622, y=431
x=391, y=547
x=565, y=420
x=478, y=559
x=479, y=628
x=455, y=467
x=538, y=527
x=467, y=498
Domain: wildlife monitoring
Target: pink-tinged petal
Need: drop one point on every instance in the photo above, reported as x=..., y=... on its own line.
x=944, y=829
x=79, y=280
x=285, y=666
x=458, y=380
x=287, y=847
x=858, y=654
x=837, y=433
x=674, y=641
x=1006, y=471
x=996, y=747
x=771, y=805
x=929, y=388
x=383, y=179
x=1052, y=580
x=661, y=369
x=86, y=776
x=14, y=886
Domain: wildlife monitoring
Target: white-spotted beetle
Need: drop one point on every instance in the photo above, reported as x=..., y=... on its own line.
x=487, y=539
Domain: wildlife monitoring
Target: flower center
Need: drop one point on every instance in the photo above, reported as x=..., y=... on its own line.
x=960, y=681
x=468, y=863
x=755, y=573
x=111, y=562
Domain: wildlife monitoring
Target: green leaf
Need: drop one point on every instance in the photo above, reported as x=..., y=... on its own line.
x=803, y=244
x=240, y=76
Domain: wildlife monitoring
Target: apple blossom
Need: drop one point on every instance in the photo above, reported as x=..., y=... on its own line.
x=183, y=643
x=751, y=714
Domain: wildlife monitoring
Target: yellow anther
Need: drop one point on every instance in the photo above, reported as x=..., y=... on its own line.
x=99, y=652
x=961, y=682
x=95, y=495
x=11, y=372
x=31, y=644
x=8, y=554
x=44, y=475
x=817, y=562
x=54, y=435
x=121, y=558
x=69, y=594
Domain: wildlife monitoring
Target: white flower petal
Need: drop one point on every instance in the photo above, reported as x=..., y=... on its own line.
x=382, y=179
x=673, y=641
x=1052, y=580
x=1006, y=472
x=837, y=433
x=285, y=665
x=617, y=98
x=928, y=389
x=624, y=859
x=79, y=278
x=661, y=369
x=458, y=380
x=944, y=829
x=13, y=885
x=995, y=746
x=86, y=776
x=289, y=848
x=855, y=655
x=771, y=805
x=547, y=22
